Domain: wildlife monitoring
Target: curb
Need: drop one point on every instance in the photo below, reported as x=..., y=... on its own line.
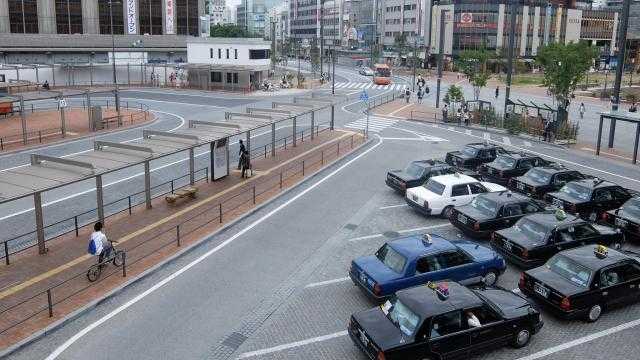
x=204, y=240
x=58, y=142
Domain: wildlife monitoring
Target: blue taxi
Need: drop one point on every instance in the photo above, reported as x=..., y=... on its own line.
x=418, y=259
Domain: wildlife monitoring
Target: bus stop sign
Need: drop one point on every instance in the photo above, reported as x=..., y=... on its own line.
x=364, y=96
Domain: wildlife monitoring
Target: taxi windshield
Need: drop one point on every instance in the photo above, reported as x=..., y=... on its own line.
x=505, y=162
x=632, y=206
x=402, y=317
x=576, y=191
x=391, y=258
x=414, y=170
x=531, y=229
x=538, y=176
x=470, y=151
x=485, y=206
x=570, y=270
x=434, y=186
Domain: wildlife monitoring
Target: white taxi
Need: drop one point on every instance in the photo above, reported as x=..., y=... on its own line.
x=441, y=193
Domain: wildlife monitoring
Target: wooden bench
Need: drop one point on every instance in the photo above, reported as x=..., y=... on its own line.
x=189, y=191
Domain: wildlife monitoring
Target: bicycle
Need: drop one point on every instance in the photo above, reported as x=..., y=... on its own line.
x=116, y=257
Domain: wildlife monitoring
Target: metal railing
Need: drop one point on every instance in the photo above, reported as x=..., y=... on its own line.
x=44, y=302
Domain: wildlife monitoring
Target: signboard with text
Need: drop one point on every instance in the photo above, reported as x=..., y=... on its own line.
x=220, y=158
x=132, y=14
x=169, y=22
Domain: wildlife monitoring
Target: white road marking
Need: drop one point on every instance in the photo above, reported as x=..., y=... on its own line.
x=366, y=237
x=486, y=136
x=399, y=109
x=393, y=206
x=292, y=345
x=527, y=143
x=506, y=140
x=176, y=103
x=582, y=340
x=327, y=282
x=468, y=132
x=606, y=153
x=59, y=350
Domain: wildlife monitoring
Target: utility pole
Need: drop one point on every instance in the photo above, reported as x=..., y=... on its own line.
x=622, y=41
x=113, y=52
x=415, y=58
x=273, y=45
x=427, y=49
x=512, y=40
x=336, y=17
x=443, y=16
x=321, y=36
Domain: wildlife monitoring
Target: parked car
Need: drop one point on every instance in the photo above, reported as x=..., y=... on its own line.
x=418, y=259
x=442, y=321
x=626, y=217
x=474, y=155
x=441, y=193
x=493, y=211
x=584, y=282
x=589, y=198
x=510, y=165
x=416, y=174
x=365, y=71
x=537, y=237
x=541, y=180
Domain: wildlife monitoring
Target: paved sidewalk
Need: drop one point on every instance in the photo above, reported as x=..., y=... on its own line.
x=148, y=236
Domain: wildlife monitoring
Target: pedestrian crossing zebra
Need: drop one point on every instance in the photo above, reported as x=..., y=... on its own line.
x=376, y=124
x=365, y=86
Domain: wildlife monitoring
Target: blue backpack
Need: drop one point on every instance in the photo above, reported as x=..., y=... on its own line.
x=92, y=247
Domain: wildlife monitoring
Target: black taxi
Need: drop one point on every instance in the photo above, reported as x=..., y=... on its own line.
x=589, y=198
x=510, y=165
x=474, y=155
x=583, y=282
x=626, y=217
x=544, y=179
x=417, y=173
x=444, y=320
x=493, y=211
x=537, y=237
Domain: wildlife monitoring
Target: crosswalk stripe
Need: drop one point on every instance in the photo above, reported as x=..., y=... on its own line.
x=506, y=140
x=363, y=85
x=450, y=128
x=486, y=136
x=468, y=132
x=528, y=144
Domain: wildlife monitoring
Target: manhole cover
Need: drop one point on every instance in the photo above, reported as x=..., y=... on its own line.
x=391, y=234
x=350, y=226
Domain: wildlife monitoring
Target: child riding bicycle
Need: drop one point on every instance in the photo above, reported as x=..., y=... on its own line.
x=99, y=245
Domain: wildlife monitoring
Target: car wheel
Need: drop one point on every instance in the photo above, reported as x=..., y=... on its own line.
x=490, y=278
x=446, y=213
x=594, y=313
x=521, y=338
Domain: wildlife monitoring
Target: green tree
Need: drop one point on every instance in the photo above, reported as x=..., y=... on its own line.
x=400, y=45
x=473, y=63
x=314, y=54
x=229, y=31
x=453, y=97
x=564, y=66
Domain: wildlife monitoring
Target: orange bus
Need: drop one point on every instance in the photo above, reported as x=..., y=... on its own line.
x=382, y=74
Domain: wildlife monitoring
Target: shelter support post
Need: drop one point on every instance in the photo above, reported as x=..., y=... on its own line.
x=313, y=123
x=612, y=132
x=117, y=101
x=91, y=73
x=37, y=74
x=273, y=139
x=87, y=94
x=63, y=123
x=192, y=179
x=227, y=155
x=599, y=136
x=333, y=116
x=37, y=205
x=295, y=118
x=211, y=147
x=249, y=146
x=23, y=120
x=147, y=184
x=99, y=199
x=635, y=144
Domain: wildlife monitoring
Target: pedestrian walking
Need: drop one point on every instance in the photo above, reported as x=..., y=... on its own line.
x=421, y=82
x=582, y=110
x=459, y=116
x=445, y=113
x=547, y=130
x=466, y=117
x=497, y=91
x=420, y=94
x=246, y=164
x=240, y=152
x=407, y=94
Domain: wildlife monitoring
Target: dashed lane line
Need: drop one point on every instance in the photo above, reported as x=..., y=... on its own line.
x=292, y=345
x=372, y=236
x=392, y=206
x=327, y=282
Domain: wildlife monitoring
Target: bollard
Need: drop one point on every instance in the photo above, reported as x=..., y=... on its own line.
x=172, y=186
x=285, y=143
x=1, y=144
x=265, y=151
x=254, y=194
x=124, y=264
x=352, y=141
x=280, y=182
x=6, y=253
x=302, y=167
x=75, y=222
x=220, y=213
x=206, y=171
x=338, y=148
x=302, y=138
x=178, y=234
x=322, y=157
x=49, y=303
x=40, y=136
x=129, y=198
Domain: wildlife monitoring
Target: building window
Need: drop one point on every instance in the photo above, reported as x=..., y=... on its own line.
x=235, y=78
x=211, y=53
x=150, y=16
x=229, y=78
x=235, y=53
x=187, y=17
x=227, y=53
x=216, y=76
x=259, y=54
x=219, y=53
x=23, y=16
x=104, y=17
x=69, y=16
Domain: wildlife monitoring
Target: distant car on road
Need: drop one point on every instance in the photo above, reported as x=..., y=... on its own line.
x=441, y=193
x=589, y=198
x=416, y=174
x=493, y=211
x=365, y=71
x=541, y=180
x=626, y=217
x=537, y=237
x=473, y=155
x=418, y=259
x=444, y=320
x=509, y=165
x=584, y=282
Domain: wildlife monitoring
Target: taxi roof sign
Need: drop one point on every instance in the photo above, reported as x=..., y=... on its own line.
x=560, y=214
x=601, y=251
x=441, y=289
x=426, y=238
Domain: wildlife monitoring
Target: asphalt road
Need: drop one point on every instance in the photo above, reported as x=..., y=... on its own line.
x=273, y=285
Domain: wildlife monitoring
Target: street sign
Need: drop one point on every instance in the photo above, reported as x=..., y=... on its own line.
x=62, y=103
x=466, y=18
x=364, y=96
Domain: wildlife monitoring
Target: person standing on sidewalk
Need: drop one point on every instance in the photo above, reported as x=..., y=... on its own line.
x=240, y=152
x=419, y=95
x=445, y=112
x=407, y=94
x=582, y=110
x=246, y=165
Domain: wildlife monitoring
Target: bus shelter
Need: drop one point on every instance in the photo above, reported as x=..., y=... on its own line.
x=614, y=116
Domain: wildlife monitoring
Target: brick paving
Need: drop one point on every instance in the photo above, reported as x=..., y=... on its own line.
x=45, y=126
x=148, y=236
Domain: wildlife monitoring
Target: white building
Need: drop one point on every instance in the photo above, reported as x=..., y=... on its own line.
x=217, y=12
x=228, y=63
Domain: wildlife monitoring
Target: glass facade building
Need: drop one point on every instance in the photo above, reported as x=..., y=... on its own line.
x=104, y=17
x=69, y=16
x=150, y=14
x=23, y=16
x=187, y=17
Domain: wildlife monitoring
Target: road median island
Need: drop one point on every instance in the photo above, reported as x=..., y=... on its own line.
x=40, y=290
